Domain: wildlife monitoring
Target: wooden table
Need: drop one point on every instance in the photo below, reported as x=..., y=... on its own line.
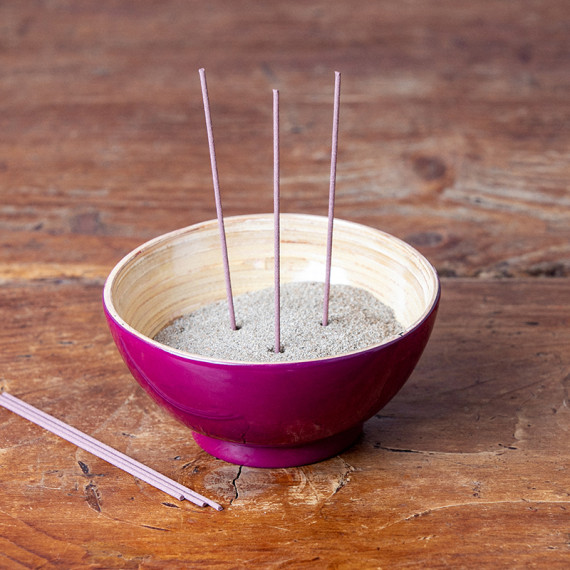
x=454, y=137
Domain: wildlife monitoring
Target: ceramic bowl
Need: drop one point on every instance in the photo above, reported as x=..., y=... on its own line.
x=269, y=414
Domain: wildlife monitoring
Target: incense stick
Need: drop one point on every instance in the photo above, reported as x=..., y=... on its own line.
x=276, y=235
x=217, y=197
x=104, y=451
x=334, y=148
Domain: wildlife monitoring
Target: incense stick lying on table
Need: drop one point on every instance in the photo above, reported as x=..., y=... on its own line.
x=104, y=452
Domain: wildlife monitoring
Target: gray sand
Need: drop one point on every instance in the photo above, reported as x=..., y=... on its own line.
x=356, y=320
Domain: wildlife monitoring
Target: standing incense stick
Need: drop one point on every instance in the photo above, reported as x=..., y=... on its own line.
x=276, y=235
x=334, y=147
x=218, y=199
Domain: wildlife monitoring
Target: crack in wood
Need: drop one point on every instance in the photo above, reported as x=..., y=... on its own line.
x=397, y=449
x=475, y=503
x=93, y=497
x=234, y=485
x=84, y=467
x=344, y=477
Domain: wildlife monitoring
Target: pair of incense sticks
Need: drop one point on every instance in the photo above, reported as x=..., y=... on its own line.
x=276, y=205
x=105, y=452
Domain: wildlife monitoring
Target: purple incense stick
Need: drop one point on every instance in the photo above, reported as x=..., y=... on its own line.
x=332, y=186
x=218, y=199
x=103, y=451
x=276, y=234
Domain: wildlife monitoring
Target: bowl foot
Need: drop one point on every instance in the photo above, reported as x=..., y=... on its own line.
x=274, y=457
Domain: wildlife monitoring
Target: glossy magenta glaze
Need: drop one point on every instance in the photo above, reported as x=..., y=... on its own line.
x=278, y=414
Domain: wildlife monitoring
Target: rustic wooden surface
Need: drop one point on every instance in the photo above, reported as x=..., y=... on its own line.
x=454, y=137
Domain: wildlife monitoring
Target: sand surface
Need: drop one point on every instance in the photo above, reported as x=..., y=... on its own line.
x=356, y=320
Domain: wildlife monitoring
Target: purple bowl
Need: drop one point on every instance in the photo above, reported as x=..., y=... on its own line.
x=268, y=414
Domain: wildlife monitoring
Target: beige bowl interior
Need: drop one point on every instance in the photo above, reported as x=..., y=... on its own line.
x=178, y=272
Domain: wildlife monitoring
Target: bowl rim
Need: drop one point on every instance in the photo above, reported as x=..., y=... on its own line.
x=113, y=314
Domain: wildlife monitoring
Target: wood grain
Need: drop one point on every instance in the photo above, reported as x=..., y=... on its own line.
x=453, y=136
x=454, y=121
x=471, y=456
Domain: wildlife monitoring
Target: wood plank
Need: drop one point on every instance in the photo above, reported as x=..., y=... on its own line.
x=467, y=466
x=454, y=136
x=453, y=123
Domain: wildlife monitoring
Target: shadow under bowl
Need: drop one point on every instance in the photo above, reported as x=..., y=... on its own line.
x=269, y=414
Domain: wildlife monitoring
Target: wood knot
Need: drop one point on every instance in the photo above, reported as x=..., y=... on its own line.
x=429, y=168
